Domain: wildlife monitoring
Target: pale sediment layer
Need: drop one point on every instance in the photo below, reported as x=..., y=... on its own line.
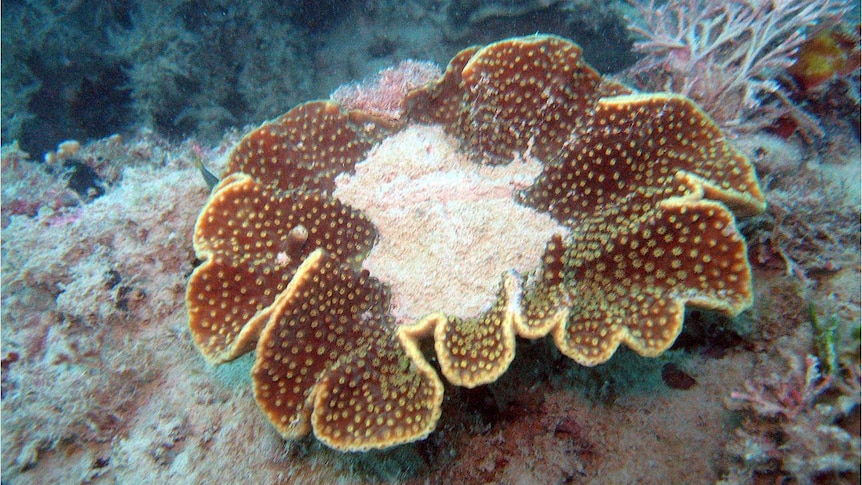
x=449, y=227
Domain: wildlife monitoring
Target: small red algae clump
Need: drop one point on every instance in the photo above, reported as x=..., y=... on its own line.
x=832, y=53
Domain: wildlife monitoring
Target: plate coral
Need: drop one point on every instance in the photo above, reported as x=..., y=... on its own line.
x=643, y=187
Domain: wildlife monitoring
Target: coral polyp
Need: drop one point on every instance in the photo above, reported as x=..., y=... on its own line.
x=638, y=192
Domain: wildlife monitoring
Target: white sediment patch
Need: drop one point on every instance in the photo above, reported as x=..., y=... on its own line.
x=449, y=227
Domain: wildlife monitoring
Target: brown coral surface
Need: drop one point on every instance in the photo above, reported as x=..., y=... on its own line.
x=644, y=186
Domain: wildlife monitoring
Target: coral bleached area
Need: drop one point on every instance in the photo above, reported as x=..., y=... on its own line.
x=449, y=227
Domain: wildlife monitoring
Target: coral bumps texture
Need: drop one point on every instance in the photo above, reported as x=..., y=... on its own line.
x=643, y=187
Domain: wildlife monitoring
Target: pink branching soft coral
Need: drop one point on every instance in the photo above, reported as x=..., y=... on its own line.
x=785, y=397
x=726, y=54
x=797, y=426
